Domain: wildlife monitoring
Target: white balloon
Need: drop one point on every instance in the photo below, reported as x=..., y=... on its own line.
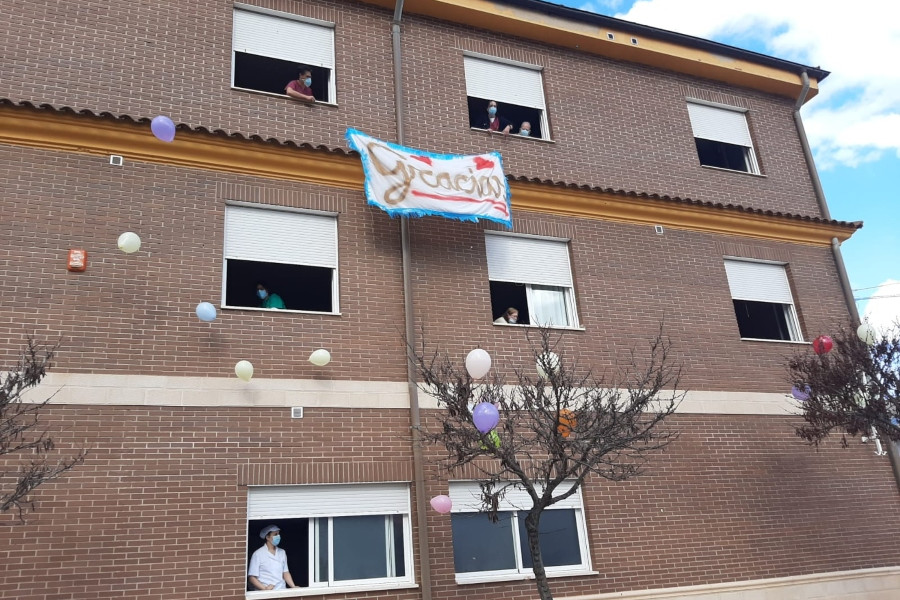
x=551, y=359
x=129, y=242
x=867, y=334
x=244, y=370
x=478, y=363
x=320, y=357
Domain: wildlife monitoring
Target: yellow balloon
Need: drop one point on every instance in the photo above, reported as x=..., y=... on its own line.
x=244, y=370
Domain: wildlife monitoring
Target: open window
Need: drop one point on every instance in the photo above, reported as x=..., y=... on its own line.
x=762, y=300
x=517, y=88
x=722, y=137
x=294, y=254
x=338, y=537
x=269, y=47
x=532, y=275
x=488, y=551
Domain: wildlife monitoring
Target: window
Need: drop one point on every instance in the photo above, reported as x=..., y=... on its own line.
x=517, y=88
x=722, y=137
x=485, y=551
x=340, y=537
x=762, y=300
x=294, y=254
x=532, y=275
x=269, y=47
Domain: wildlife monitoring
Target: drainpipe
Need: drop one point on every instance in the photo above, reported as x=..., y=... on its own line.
x=415, y=416
x=893, y=449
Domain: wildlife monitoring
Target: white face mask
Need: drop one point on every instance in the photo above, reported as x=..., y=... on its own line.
x=513, y=319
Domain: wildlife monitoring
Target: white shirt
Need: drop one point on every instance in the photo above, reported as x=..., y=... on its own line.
x=269, y=568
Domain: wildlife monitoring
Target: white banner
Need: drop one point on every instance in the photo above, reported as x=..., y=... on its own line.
x=413, y=183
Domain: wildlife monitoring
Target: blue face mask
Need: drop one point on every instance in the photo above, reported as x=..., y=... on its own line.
x=307, y=82
x=276, y=539
x=492, y=111
x=525, y=132
x=262, y=294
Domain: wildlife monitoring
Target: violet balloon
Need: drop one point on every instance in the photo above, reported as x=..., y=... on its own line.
x=442, y=504
x=485, y=416
x=163, y=128
x=798, y=394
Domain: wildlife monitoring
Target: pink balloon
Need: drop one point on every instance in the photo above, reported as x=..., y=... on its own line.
x=163, y=128
x=442, y=504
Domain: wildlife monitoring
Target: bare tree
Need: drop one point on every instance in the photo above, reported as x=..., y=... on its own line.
x=24, y=444
x=854, y=388
x=556, y=426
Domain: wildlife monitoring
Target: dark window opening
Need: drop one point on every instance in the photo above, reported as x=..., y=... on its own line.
x=294, y=541
x=478, y=116
x=505, y=295
x=557, y=536
x=300, y=287
x=725, y=156
x=762, y=320
x=272, y=75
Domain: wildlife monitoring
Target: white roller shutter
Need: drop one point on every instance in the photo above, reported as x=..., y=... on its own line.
x=466, y=497
x=503, y=82
x=719, y=124
x=277, y=236
x=758, y=282
x=520, y=259
x=337, y=500
x=284, y=39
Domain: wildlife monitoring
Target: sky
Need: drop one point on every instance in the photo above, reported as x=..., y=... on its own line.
x=853, y=124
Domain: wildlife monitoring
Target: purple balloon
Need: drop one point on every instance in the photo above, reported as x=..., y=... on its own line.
x=799, y=394
x=163, y=128
x=485, y=417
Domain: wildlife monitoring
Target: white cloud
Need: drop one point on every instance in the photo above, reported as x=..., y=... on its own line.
x=883, y=308
x=856, y=117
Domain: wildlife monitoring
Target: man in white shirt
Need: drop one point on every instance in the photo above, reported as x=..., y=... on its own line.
x=268, y=566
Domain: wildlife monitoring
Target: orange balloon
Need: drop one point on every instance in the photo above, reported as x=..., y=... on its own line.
x=567, y=422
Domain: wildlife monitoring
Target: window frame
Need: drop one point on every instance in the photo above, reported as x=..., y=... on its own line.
x=502, y=98
x=795, y=332
x=750, y=156
x=335, y=276
x=332, y=79
x=299, y=510
x=568, y=290
x=513, y=503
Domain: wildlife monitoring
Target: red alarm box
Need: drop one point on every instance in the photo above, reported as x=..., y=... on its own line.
x=77, y=260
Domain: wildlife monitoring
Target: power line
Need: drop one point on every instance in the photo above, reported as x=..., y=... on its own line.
x=876, y=286
x=876, y=297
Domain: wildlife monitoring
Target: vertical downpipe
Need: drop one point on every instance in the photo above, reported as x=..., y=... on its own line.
x=415, y=416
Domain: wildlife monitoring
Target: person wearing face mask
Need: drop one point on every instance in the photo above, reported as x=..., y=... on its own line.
x=299, y=88
x=494, y=122
x=268, y=299
x=525, y=129
x=509, y=317
x=268, y=568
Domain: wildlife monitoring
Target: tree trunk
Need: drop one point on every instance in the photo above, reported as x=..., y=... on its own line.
x=532, y=521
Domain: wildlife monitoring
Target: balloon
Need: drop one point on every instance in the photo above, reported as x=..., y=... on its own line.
x=320, y=357
x=206, y=312
x=442, y=504
x=551, y=360
x=478, y=363
x=895, y=421
x=800, y=394
x=163, y=128
x=485, y=416
x=567, y=422
x=129, y=242
x=244, y=370
x=822, y=344
x=867, y=334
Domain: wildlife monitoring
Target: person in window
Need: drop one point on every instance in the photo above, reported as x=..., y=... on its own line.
x=494, y=122
x=268, y=299
x=525, y=128
x=509, y=317
x=268, y=568
x=299, y=88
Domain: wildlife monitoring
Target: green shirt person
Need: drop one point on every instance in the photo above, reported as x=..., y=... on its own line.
x=268, y=299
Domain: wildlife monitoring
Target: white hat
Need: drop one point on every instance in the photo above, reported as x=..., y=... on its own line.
x=268, y=529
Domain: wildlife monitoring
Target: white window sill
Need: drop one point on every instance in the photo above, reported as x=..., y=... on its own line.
x=801, y=342
x=563, y=327
x=283, y=96
x=474, y=578
x=282, y=310
x=320, y=591
x=513, y=135
x=724, y=170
